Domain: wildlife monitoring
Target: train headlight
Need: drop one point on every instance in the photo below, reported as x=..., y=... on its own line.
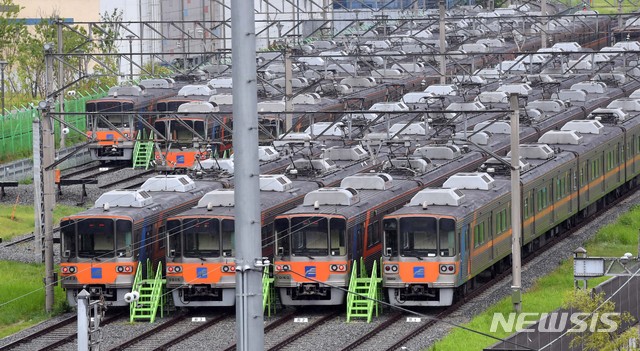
x=338, y=268
x=228, y=269
x=448, y=268
x=391, y=268
x=283, y=268
x=68, y=269
x=174, y=269
x=124, y=269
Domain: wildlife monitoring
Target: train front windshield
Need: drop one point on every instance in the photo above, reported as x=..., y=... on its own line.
x=176, y=131
x=97, y=238
x=111, y=108
x=420, y=237
x=311, y=236
x=200, y=237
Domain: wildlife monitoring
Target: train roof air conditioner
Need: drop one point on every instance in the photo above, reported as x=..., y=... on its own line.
x=157, y=83
x=332, y=196
x=369, y=181
x=438, y=152
x=493, y=127
x=584, y=126
x=196, y=90
x=217, y=198
x=470, y=181
x=437, y=197
x=275, y=182
x=346, y=153
x=555, y=137
x=535, y=151
x=124, y=198
x=198, y=107
x=177, y=183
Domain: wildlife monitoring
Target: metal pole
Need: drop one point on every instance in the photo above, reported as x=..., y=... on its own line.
x=130, y=37
x=545, y=24
x=288, y=104
x=83, y=321
x=61, y=83
x=249, y=315
x=620, y=16
x=516, y=224
x=443, y=61
x=3, y=64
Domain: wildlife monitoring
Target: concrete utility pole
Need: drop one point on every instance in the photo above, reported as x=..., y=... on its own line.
x=443, y=60
x=516, y=225
x=249, y=263
x=48, y=157
x=61, y=82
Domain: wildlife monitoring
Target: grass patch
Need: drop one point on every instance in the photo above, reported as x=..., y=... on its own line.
x=24, y=281
x=24, y=220
x=549, y=291
x=605, y=7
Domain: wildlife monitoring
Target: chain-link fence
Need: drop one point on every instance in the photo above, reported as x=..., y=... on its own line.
x=16, y=127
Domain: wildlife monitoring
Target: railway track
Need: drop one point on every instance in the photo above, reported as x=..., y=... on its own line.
x=28, y=238
x=299, y=334
x=169, y=333
x=127, y=179
x=54, y=336
x=279, y=322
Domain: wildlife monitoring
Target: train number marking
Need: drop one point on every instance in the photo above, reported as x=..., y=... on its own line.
x=301, y=320
x=414, y=319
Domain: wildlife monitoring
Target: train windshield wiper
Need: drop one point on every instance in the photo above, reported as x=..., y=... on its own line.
x=414, y=256
x=305, y=255
x=202, y=258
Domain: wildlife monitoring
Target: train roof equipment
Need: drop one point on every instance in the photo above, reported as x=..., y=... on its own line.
x=123, y=198
x=437, y=196
x=198, y=107
x=331, y=196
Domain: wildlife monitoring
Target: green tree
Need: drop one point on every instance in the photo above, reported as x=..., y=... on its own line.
x=106, y=37
x=11, y=33
x=594, y=338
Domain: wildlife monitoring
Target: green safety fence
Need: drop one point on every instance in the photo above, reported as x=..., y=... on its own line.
x=16, y=127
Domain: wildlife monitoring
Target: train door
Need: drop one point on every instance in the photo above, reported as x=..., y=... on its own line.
x=464, y=251
x=619, y=160
x=358, y=241
x=527, y=224
x=145, y=245
x=584, y=180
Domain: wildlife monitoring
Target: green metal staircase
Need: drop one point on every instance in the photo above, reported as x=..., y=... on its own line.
x=268, y=293
x=364, y=293
x=151, y=294
x=143, y=152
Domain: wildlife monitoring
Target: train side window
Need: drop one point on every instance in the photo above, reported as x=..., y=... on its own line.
x=478, y=234
x=173, y=238
x=390, y=237
x=283, y=237
x=227, y=229
x=373, y=234
x=161, y=233
x=582, y=182
x=123, y=238
x=447, y=234
x=267, y=235
x=337, y=232
x=68, y=230
x=526, y=207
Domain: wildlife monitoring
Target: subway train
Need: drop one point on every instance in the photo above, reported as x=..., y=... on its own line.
x=437, y=245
